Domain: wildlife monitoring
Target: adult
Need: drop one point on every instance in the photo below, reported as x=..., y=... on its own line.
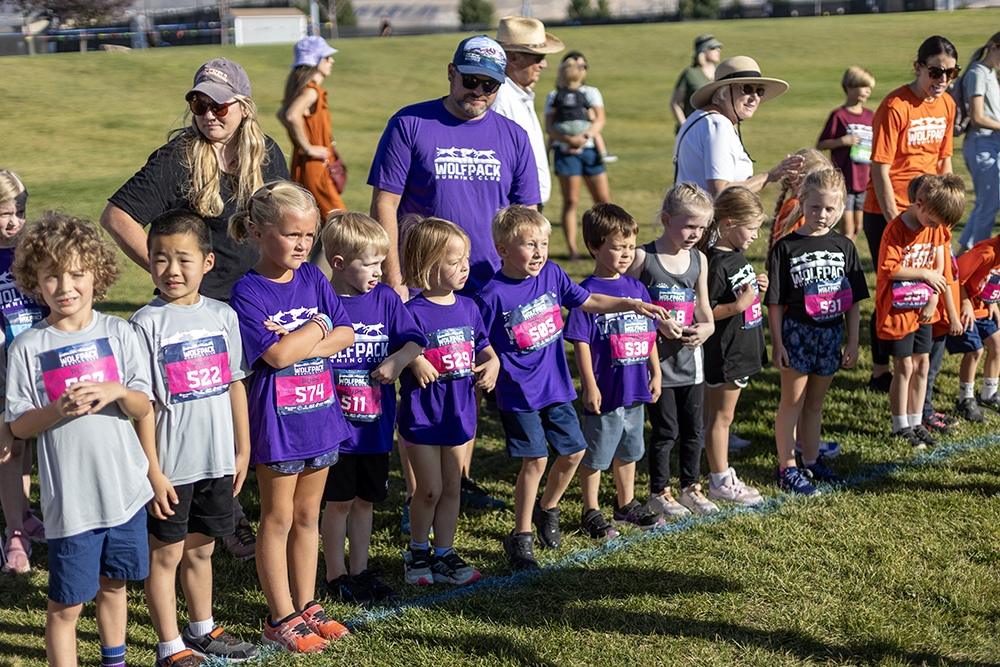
x=212, y=167
x=911, y=135
x=707, y=54
x=576, y=158
x=526, y=44
x=709, y=148
x=981, y=148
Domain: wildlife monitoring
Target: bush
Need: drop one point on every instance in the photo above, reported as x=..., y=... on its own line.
x=698, y=9
x=476, y=12
x=578, y=10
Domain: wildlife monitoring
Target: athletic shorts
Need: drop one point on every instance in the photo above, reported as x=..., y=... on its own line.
x=527, y=433
x=614, y=435
x=915, y=342
x=970, y=341
x=204, y=507
x=364, y=476
x=812, y=350
x=855, y=201
x=295, y=467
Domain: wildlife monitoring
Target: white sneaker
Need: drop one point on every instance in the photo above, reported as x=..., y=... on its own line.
x=734, y=491
x=666, y=506
x=693, y=499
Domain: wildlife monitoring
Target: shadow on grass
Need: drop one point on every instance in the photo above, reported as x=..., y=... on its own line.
x=480, y=645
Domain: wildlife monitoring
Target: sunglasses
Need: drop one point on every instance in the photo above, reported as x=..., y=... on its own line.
x=490, y=86
x=200, y=107
x=750, y=90
x=938, y=72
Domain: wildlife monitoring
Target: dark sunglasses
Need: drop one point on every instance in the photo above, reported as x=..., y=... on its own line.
x=200, y=107
x=938, y=72
x=490, y=86
x=750, y=90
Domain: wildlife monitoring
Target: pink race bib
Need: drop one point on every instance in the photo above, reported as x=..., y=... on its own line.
x=92, y=361
x=197, y=369
x=990, y=293
x=631, y=339
x=828, y=299
x=678, y=301
x=303, y=387
x=451, y=352
x=536, y=325
x=360, y=395
x=910, y=294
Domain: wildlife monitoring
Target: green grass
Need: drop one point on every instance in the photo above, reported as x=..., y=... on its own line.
x=901, y=569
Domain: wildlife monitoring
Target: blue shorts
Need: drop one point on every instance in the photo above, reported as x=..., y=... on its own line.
x=295, y=467
x=528, y=432
x=77, y=562
x=587, y=163
x=812, y=350
x=970, y=341
x=616, y=434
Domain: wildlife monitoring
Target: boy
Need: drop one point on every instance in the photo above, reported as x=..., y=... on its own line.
x=912, y=272
x=521, y=307
x=619, y=371
x=355, y=246
x=196, y=439
x=75, y=380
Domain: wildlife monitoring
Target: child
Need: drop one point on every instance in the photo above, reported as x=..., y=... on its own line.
x=911, y=273
x=788, y=210
x=19, y=313
x=613, y=353
x=437, y=413
x=364, y=374
x=195, y=438
x=848, y=137
x=291, y=322
x=736, y=349
x=675, y=273
x=75, y=380
x=570, y=106
x=521, y=307
x=815, y=280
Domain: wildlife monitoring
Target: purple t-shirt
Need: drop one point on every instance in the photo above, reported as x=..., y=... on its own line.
x=382, y=325
x=525, y=324
x=619, y=343
x=444, y=412
x=462, y=171
x=19, y=311
x=853, y=161
x=294, y=412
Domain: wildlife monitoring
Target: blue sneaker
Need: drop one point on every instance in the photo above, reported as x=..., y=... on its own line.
x=473, y=497
x=793, y=481
x=821, y=472
x=827, y=449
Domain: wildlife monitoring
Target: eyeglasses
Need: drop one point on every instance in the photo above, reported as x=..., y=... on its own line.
x=937, y=72
x=748, y=89
x=200, y=107
x=490, y=86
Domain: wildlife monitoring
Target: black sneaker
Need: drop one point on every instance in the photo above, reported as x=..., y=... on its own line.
x=547, y=524
x=519, y=549
x=909, y=437
x=968, y=408
x=880, y=384
x=935, y=424
x=380, y=590
x=821, y=472
x=993, y=402
x=348, y=590
x=635, y=514
x=473, y=497
x=221, y=644
x=924, y=435
x=596, y=526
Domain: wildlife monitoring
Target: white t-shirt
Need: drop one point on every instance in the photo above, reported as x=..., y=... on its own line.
x=593, y=96
x=708, y=148
x=519, y=105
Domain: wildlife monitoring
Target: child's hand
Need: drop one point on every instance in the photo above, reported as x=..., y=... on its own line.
x=851, y=140
x=92, y=397
x=669, y=328
x=388, y=371
x=242, y=464
x=696, y=334
x=655, y=388
x=927, y=312
x=779, y=357
x=274, y=327
x=850, y=357
x=164, y=496
x=6, y=442
x=967, y=315
x=936, y=281
x=762, y=282
x=423, y=371
x=592, y=399
x=746, y=296
x=649, y=310
x=486, y=373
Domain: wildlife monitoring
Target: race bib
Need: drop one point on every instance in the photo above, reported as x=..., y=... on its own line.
x=451, y=352
x=19, y=316
x=631, y=340
x=990, y=293
x=754, y=315
x=535, y=325
x=679, y=302
x=828, y=299
x=360, y=395
x=92, y=361
x=197, y=369
x=861, y=153
x=304, y=387
x=910, y=294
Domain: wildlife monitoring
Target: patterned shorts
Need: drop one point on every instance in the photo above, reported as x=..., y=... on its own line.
x=812, y=350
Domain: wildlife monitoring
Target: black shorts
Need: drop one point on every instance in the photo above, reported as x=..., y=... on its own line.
x=915, y=342
x=204, y=507
x=364, y=476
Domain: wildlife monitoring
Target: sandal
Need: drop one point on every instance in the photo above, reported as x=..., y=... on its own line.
x=18, y=551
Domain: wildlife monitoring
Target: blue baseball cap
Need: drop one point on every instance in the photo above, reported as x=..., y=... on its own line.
x=481, y=55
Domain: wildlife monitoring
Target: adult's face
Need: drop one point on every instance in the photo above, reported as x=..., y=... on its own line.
x=525, y=68
x=713, y=56
x=746, y=99
x=928, y=87
x=219, y=130
x=325, y=66
x=475, y=102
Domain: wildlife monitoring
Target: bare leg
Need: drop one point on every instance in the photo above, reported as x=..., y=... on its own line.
x=970, y=362
x=446, y=512
x=334, y=529
x=560, y=475
x=721, y=410
x=359, y=532
x=812, y=415
x=60, y=634
x=426, y=462
x=902, y=371
x=793, y=392
x=570, y=186
x=526, y=490
x=112, y=611
x=303, y=539
x=590, y=484
x=404, y=462
x=161, y=590
x=599, y=188
x=624, y=481
x=918, y=384
x=196, y=576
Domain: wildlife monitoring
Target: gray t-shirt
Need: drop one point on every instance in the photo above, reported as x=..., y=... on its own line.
x=980, y=80
x=91, y=468
x=195, y=353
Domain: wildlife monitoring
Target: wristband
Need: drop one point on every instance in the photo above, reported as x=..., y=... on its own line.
x=324, y=322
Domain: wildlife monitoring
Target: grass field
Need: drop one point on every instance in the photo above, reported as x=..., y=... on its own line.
x=898, y=569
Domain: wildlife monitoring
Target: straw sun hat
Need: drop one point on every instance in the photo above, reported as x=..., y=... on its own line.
x=740, y=70
x=527, y=35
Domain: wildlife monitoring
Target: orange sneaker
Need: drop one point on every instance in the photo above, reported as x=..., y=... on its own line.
x=321, y=624
x=292, y=635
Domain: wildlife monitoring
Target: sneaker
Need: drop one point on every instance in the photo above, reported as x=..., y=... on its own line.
x=451, y=569
x=821, y=472
x=735, y=491
x=736, y=443
x=324, y=626
x=924, y=435
x=404, y=524
x=608, y=158
x=666, y=506
x=547, y=524
x=380, y=590
x=950, y=421
x=348, y=590
x=969, y=410
x=793, y=481
x=473, y=497
x=18, y=554
x=937, y=425
x=596, y=526
x=908, y=436
x=519, y=549
x=635, y=514
x=242, y=544
x=830, y=450
x=220, y=643
x=33, y=527
x=417, y=567
x=693, y=499
x=880, y=384
x=993, y=402
x=293, y=636
x=186, y=658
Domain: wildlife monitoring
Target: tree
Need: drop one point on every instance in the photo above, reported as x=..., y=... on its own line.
x=578, y=10
x=345, y=13
x=698, y=9
x=476, y=12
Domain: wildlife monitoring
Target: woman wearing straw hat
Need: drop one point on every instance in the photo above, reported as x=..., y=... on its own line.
x=709, y=149
x=707, y=53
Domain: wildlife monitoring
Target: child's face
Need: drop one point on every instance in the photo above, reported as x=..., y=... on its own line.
x=12, y=217
x=178, y=265
x=615, y=255
x=740, y=237
x=859, y=95
x=362, y=273
x=821, y=211
x=926, y=218
x=526, y=254
x=286, y=245
x=684, y=230
x=454, y=268
x=69, y=293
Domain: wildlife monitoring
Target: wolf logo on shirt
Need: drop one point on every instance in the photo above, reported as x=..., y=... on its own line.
x=928, y=130
x=371, y=345
x=810, y=267
x=466, y=164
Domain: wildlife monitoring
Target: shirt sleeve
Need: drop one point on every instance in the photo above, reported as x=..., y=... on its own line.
x=717, y=282
x=251, y=315
x=393, y=156
x=155, y=188
x=135, y=361
x=594, y=96
x=776, y=268
x=479, y=330
x=402, y=327
x=722, y=144
x=833, y=128
x=20, y=391
x=855, y=273
x=238, y=366
x=885, y=133
x=890, y=256
x=571, y=295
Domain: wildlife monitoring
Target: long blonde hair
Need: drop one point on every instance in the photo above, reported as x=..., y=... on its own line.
x=425, y=247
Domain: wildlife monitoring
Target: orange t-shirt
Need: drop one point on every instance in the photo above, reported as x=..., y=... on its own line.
x=979, y=268
x=901, y=247
x=910, y=135
x=943, y=325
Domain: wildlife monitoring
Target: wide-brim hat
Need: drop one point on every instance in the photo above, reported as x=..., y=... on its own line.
x=525, y=35
x=739, y=69
x=311, y=51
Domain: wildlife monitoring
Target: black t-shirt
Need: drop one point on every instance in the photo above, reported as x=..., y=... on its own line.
x=736, y=349
x=159, y=187
x=817, y=278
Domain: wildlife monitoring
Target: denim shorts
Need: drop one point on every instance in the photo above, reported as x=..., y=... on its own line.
x=587, y=163
x=970, y=341
x=812, y=350
x=855, y=201
x=616, y=434
x=528, y=432
x=295, y=467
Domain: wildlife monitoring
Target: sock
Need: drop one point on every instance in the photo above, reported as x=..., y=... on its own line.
x=809, y=462
x=899, y=422
x=441, y=551
x=200, y=628
x=989, y=388
x=167, y=649
x=717, y=479
x=114, y=656
x=915, y=420
x=966, y=390
x=420, y=545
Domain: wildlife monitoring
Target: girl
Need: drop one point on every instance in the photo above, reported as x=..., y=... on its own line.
x=291, y=322
x=437, y=395
x=674, y=272
x=736, y=350
x=815, y=278
x=788, y=211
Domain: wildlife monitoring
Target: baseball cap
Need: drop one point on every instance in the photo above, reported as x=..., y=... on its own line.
x=481, y=55
x=220, y=79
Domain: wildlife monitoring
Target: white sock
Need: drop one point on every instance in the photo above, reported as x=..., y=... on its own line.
x=899, y=422
x=807, y=462
x=199, y=628
x=966, y=390
x=989, y=387
x=915, y=420
x=717, y=479
x=167, y=649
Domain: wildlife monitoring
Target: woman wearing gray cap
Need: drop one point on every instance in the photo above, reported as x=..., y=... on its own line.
x=707, y=53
